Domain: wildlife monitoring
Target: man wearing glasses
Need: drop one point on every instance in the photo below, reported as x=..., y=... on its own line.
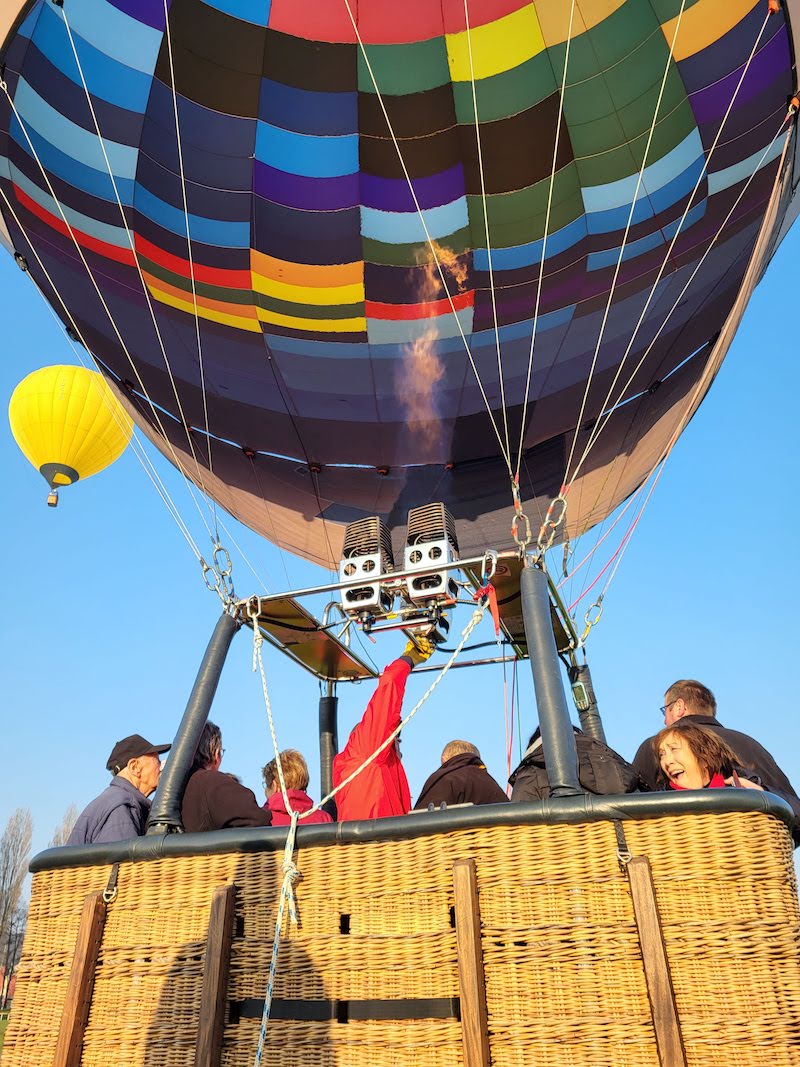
x=688, y=698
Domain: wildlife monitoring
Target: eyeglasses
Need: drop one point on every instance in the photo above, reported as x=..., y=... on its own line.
x=663, y=709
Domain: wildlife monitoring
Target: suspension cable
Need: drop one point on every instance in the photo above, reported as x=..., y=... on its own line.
x=640, y=176
x=486, y=228
x=544, y=239
x=136, y=263
x=429, y=239
x=596, y=431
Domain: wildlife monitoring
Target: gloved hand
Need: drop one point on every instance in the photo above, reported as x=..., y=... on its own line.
x=419, y=650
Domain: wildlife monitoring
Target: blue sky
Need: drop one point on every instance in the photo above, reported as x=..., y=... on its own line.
x=106, y=616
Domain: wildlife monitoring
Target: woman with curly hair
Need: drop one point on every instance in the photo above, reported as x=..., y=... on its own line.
x=692, y=757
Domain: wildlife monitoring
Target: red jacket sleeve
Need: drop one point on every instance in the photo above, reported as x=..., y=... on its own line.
x=381, y=717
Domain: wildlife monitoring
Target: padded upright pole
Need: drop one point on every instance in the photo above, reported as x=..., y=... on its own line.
x=580, y=678
x=558, y=739
x=165, y=814
x=328, y=743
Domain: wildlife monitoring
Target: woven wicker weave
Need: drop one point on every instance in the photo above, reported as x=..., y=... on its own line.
x=564, y=980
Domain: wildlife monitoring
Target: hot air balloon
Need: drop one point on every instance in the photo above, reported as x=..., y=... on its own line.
x=342, y=264
x=68, y=423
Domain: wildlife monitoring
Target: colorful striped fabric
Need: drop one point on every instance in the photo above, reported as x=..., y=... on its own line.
x=325, y=146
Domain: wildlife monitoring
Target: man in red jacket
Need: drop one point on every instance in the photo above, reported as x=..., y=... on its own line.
x=381, y=789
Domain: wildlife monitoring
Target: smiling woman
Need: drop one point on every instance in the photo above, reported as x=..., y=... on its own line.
x=696, y=758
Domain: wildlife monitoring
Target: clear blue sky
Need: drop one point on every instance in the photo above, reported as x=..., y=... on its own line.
x=106, y=617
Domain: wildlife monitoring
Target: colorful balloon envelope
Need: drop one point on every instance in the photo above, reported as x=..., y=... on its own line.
x=348, y=258
x=68, y=423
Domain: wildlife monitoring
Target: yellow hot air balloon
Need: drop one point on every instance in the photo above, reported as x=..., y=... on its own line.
x=68, y=423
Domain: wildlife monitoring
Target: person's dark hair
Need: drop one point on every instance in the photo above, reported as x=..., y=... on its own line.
x=714, y=755
x=209, y=746
x=697, y=697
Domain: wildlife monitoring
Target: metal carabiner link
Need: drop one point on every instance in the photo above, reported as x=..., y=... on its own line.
x=221, y=569
x=547, y=531
x=597, y=607
x=489, y=565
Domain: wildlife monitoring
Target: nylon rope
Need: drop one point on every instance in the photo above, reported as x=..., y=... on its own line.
x=609, y=412
x=678, y=429
x=112, y=321
x=179, y=144
x=545, y=236
x=163, y=492
x=639, y=179
x=597, y=430
x=145, y=290
x=429, y=239
x=486, y=228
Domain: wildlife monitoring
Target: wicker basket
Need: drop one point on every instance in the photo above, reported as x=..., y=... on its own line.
x=565, y=984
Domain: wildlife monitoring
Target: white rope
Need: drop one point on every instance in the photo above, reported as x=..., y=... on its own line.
x=610, y=299
x=429, y=239
x=603, y=422
x=128, y=234
x=168, y=34
x=134, y=368
x=598, y=428
x=544, y=240
x=486, y=228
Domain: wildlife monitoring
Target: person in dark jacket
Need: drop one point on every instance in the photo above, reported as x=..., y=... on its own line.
x=461, y=779
x=690, y=701
x=121, y=810
x=214, y=800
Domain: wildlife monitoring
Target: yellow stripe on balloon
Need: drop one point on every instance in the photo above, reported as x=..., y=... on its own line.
x=704, y=23
x=239, y=322
x=497, y=46
x=274, y=318
x=299, y=294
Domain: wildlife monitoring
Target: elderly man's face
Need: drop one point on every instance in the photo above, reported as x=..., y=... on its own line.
x=148, y=770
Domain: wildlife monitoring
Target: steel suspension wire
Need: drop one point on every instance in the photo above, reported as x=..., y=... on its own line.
x=190, y=253
x=603, y=422
x=486, y=227
x=544, y=239
x=431, y=243
x=131, y=242
x=607, y=310
x=599, y=427
x=163, y=492
x=112, y=321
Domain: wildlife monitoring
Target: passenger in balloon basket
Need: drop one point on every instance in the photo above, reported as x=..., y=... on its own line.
x=462, y=778
x=120, y=811
x=697, y=758
x=214, y=800
x=688, y=702
x=381, y=788
x=295, y=777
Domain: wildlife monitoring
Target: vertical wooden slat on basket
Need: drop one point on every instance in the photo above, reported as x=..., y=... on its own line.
x=81, y=982
x=669, y=1039
x=216, y=966
x=474, y=1019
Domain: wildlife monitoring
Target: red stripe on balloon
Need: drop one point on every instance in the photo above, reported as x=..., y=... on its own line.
x=431, y=310
x=93, y=244
x=230, y=279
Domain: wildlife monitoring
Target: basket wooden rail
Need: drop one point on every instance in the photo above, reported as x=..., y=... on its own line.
x=384, y=967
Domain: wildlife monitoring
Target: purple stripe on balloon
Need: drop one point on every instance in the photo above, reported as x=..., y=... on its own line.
x=306, y=194
x=771, y=63
x=149, y=12
x=393, y=194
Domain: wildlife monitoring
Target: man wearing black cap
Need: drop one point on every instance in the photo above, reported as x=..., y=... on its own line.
x=121, y=810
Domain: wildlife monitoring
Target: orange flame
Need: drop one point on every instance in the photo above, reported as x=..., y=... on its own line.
x=421, y=369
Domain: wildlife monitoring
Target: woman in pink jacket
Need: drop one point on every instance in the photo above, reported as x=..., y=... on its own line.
x=295, y=774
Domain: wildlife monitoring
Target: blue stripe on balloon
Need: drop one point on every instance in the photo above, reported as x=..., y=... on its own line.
x=69, y=138
x=526, y=255
x=693, y=216
x=619, y=194
x=107, y=79
x=255, y=11
x=207, y=231
x=70, y=170
x=308, y=112
x=406, y=331
x=405, y=227
x=110, y=30
x=313, y=157
x=113, y=235
x=609, y=256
